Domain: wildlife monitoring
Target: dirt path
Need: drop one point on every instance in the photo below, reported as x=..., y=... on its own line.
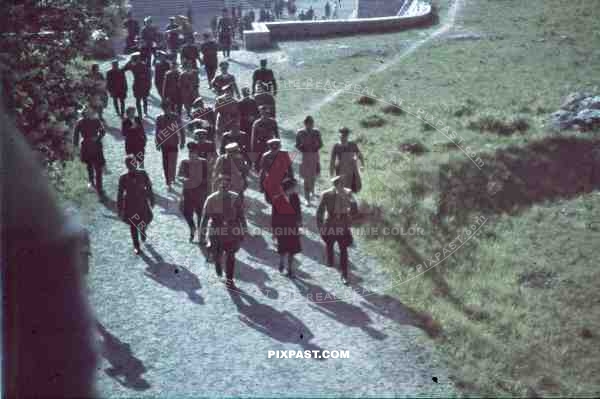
x=169, y=328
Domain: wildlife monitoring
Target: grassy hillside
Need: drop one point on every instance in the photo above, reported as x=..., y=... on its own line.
x=518, y=303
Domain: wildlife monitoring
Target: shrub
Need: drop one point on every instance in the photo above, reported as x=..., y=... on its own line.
x=493, y=124
x=372, y=121
x=365, y=100
x=392, y=109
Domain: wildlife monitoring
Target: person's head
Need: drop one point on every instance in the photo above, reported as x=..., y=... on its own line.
x=115, y=64
x=232, y=149
x=225, y=182
x=165, y=105
x=174, y=66
x=206, y=36
x=148, y=21
x=87, y=112
x=224, y=66
x=344, y=133
x=130, y=112
x=200, y=134
x=131, y=162
x=274, y=144
x=246, y=92
x=309, y=122
x=264, y=111
x=95, y=68
x=263, y=63
x=224, y=12
x=338, y=183
x=172, y=20
x=134, y=59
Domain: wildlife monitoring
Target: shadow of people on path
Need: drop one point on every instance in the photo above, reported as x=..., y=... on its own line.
x=279, y=325
x=245, y=272
x=124, y=368
x=343, y=312
x=391, y=308
x=174, y=277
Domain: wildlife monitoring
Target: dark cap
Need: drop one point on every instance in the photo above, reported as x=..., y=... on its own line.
x=344, y=130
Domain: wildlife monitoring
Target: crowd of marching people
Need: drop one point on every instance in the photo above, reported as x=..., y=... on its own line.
x=234, y=141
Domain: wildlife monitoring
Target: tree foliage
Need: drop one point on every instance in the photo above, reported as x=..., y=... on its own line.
x=40, y=43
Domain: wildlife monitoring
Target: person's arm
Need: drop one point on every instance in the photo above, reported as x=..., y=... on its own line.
x=101, y=130
x=360, y=156
x=235, y=88
x=150, y=191
x=76, y=133
x=181, y=134
x=319, y=139
x=163, y=89
x=332, y=161
x=321, y=211
x=253, y=82
x=204, y=223
x=253, y=136
x=299, y=141
x=276, y=128
x=157, y=132
x=121, y=197
x=240, y=214
x=274, y=82
x=182, y=173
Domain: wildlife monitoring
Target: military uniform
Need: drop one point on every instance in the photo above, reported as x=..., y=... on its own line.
x=161, y=68
x=336, y=228
x=228, y=112
x=344, y=163
x=195, y=189
x=235, y=166
x=309, y=142
x=169, y=137
x=92, y=154
x=172, y=90
x=248, y=113
x=221, y=81
x=142, y=81
x=189, y=55
x=209, y=51
x=225, y=33
x=135, y=200
x=227, y=227
x=265, y=98
x=116, y=84
x=189, y=84
x=266, y=76
x=135, y=138
x=263, y=130
x=239, y=137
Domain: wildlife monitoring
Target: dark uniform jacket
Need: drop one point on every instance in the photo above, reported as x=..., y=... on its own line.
x=339, y=208
x=160, y=69
x=169, y=135
x=195, y=172
x=116, y=84
x=262, y=131
x=264, y=75
x=171, y=89
x=135, y=138
x=241, y=138
x=135, y=196
x=190, y=53
x=92, y=131
x=209, y=51
x=142, y=78
x=248, y=113
x=267, y=99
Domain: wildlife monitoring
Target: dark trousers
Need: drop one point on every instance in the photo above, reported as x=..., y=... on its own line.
x=94, y=171
x=169, y=160
x=138, y=105
x=211, y=70
x=116, y=101
x=229, y=262
x=343, y=256
x=193, y=202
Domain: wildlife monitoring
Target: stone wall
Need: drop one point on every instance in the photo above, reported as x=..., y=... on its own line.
x=264, y=34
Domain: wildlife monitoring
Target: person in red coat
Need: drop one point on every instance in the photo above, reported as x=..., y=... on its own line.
x=286, y=219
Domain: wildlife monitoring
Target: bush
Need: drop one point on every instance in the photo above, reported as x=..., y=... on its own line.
x=392, y=109
x=493, y=124
x=365, y=100
x=372, y=121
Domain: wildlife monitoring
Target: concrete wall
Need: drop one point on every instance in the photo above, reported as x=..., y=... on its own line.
x=263, y=34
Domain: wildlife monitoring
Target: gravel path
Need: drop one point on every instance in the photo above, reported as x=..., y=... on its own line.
x=168, y=327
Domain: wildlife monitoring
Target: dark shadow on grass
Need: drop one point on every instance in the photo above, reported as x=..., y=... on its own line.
x=342, y=312
x=174, y=277
x=124, y=368
x=282, y=326
x=515, y=178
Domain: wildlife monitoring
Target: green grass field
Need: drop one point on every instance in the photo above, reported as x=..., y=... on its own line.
x=518, y=304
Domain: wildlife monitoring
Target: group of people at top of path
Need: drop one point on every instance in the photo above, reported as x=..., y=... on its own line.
x=234, y=141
